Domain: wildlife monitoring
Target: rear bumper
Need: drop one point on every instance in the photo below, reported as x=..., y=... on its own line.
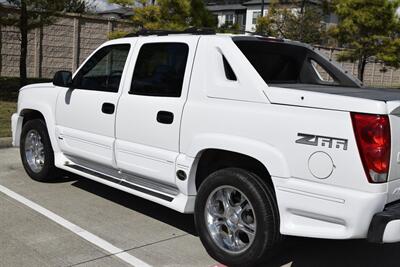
x=324, y=211
x=385, y=225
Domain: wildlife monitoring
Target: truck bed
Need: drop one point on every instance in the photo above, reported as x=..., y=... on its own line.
x=383, y=94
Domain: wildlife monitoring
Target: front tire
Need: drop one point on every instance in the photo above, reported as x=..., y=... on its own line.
x=236, y=217
x=36, y=152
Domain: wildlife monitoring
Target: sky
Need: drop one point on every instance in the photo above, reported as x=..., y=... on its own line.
x=100, y=5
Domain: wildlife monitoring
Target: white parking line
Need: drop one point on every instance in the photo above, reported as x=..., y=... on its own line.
x=101, y=243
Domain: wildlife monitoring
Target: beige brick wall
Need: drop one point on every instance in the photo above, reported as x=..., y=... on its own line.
x=67, y=43
x=61, y=46
x=373, y=75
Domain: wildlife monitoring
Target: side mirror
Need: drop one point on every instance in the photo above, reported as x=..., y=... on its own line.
x=63, y=78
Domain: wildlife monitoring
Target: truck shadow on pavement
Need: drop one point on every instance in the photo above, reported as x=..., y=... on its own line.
x=305, y=252
x=184, y=222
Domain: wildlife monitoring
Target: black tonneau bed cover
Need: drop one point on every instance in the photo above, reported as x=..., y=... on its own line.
x=367, y=93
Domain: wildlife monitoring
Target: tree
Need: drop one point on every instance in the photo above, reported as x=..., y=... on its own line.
x=200, y=16
x=229, y=28
x=147, y=16
x=271, y=24
x=370, y=30
x=168, y=14
x=76, y=6
x=299, y=21
x=175, y=14
x=306, y=26
x=29, y=15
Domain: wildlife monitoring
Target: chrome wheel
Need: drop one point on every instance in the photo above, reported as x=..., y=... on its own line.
x=230, y=219
x=34, y=151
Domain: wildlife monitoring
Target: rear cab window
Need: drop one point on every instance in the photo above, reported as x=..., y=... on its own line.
x=288, y=64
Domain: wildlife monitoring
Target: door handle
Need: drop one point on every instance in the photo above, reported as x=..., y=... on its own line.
x=108, y=108
x=165, y=117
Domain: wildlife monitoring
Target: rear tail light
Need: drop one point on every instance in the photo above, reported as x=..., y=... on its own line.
x=373, y=140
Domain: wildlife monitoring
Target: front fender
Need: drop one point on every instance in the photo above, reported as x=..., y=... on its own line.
x=16, y=127
x=43, y=100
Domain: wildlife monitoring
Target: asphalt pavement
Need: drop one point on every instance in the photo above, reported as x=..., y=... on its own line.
x=93, y=217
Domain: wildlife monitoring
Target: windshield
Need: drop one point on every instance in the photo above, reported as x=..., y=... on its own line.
x=280, y=62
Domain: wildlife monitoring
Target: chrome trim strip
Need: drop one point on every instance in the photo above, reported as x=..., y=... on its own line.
x=125, y=178
x=94, y=173
x=121, y=182
x=150, y=183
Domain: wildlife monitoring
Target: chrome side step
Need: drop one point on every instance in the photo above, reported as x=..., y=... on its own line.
x=141, y=184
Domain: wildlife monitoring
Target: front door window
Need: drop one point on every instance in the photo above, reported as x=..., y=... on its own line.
x=103, y=71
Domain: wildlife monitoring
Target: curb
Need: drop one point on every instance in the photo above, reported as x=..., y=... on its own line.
x=5, y=142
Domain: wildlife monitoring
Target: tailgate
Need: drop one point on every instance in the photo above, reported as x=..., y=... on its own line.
x=394, y=170
x=394, y=117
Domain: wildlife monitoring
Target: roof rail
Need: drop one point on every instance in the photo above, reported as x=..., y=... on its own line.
x=266, y=37
x=192, y=30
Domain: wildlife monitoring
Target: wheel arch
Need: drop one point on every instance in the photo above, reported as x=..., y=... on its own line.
x=229, y=151
x=31, y=113
x=211, y=160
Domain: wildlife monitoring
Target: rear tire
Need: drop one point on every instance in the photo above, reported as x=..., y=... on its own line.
x=36, y=152
x=229, y=236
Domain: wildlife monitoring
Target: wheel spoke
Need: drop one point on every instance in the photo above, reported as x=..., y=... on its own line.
x=247, y=228
x=243, y=205
x=233, y=239
x=219, y=223
x=32, y=139
x=227, y=193
x=213, y=210
x=222, y=196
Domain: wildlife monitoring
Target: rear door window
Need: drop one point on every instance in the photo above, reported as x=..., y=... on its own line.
x=160, y=69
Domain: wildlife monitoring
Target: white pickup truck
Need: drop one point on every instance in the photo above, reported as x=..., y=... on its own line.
x=258, y=137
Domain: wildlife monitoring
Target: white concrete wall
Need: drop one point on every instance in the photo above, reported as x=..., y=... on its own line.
x=249, y=17
x=222, y=17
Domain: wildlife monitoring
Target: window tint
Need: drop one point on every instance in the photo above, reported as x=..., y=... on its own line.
x=275, y=62
x=279, y=62
x=160, y=69
x=229, y=74
x=103, y=71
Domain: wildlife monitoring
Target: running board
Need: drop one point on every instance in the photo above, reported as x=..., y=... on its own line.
x=120, y=181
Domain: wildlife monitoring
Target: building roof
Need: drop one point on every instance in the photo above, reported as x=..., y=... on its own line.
x=214, y=8
x=124, y=11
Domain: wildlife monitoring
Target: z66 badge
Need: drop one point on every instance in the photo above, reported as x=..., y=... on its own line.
x=325, y=141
